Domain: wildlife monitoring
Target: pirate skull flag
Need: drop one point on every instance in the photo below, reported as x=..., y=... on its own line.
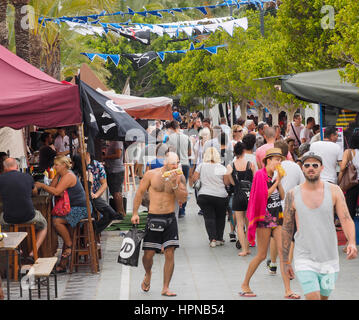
x=106, y=120
x=141, y=59
x=143, y=36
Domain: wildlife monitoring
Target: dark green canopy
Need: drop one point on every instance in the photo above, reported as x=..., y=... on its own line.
x=324, y=86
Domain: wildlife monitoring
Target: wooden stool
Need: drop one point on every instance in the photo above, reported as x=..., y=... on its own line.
x=129, y=167
x=31, y=243
x=81, y=246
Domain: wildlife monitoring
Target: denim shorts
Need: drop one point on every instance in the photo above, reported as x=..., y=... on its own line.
x=312, y=282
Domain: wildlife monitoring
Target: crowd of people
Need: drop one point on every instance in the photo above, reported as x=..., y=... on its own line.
x=275, y=186
x=260, y=178
x=17, y=189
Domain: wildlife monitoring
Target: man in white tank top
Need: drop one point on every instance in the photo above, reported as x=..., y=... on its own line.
x=311, y=206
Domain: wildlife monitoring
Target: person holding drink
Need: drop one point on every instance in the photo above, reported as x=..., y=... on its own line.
x=65, y=180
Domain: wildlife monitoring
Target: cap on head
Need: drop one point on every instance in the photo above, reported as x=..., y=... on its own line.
x=311, y=155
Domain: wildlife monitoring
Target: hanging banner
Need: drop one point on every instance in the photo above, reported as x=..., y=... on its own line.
x=157, y=13
x=141, y=32
x=139, y=60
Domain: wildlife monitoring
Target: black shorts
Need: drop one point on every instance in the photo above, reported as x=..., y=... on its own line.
x=155, y=240
x=115, y=181
x=240, y=201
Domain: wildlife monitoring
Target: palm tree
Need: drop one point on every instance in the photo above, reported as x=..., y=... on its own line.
x=4, y=40
x=22, y=35
x=53, y=36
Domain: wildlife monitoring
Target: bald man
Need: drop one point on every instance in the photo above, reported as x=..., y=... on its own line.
x=16, y=189
x=163, y=194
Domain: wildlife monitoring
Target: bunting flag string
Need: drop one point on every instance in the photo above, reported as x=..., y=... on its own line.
x=158, y=13
x=141, y=32
x=139, y=60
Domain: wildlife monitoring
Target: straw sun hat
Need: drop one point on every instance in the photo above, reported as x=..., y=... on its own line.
x=274, y=152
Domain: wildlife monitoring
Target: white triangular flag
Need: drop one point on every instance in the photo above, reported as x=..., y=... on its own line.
x=211, y=27
x=242, y=23
x=188, y=30
x=158, y=30
x=228, y=26
x=200, y=28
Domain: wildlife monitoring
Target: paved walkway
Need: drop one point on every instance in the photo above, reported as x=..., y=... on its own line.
x=200, y=273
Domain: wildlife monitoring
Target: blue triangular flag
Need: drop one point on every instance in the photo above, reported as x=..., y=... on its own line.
x=130, y=11
x=91, y=56
x=115, y=58
x=177, y=10
x=161, y=55
x=201, y=47
x=192, y=47
x=212, y=50
x=84, y=19
x=102, y=56
x=142, y=13
x=155, y=13
x=202, y=9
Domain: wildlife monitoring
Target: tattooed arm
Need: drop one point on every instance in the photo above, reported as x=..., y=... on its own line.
x=287, y=231
x=346, y=221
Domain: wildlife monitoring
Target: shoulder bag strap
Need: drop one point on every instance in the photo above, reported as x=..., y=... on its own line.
x=248, y=167
x=295, y=134
x=234, y=170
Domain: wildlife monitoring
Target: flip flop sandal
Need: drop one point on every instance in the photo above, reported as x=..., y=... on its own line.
x=169, y=294
x=145, y=287
x=293, y=296
x=248, y=294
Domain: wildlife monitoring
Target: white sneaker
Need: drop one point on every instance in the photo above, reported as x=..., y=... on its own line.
x=220, y=242
x=212, y=244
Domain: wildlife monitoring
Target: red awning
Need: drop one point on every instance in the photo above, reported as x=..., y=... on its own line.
x=29, y=96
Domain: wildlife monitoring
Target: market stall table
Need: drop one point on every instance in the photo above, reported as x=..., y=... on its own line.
x=11, y=243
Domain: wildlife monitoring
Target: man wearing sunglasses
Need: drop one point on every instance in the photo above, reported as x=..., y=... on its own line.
x=311, y=206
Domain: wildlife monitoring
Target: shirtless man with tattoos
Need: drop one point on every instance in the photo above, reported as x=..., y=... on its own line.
x=161, y=229
x=311, y=206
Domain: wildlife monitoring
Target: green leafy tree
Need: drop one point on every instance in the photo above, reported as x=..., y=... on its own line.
x=345, y=42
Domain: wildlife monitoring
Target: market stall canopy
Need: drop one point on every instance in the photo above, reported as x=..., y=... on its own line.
x=159, y=108
x=31, y=97
x=104, y=119
x=324, y=86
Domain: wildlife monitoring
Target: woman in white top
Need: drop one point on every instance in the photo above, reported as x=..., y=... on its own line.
x=212, y=195
x=204, y=136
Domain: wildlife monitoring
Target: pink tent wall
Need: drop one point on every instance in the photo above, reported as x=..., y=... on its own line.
x=29, y=96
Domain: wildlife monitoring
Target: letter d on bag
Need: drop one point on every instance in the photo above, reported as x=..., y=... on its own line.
x=128, y=248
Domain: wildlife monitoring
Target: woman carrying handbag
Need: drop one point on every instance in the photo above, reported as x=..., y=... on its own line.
x=350, y=158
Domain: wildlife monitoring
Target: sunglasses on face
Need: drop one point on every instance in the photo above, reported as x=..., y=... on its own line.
x=308, y=165
x=237, y=130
